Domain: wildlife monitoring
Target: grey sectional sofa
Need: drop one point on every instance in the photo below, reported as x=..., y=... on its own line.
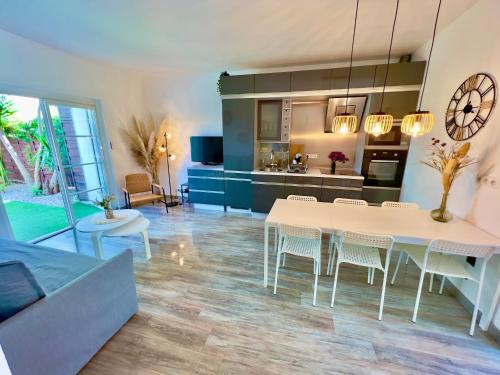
x=87, y=301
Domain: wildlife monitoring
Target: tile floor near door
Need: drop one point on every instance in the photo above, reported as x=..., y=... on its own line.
x=203, y=309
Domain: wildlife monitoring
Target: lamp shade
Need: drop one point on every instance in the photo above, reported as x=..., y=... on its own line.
x=417, y=123
x=378, y=123
x=344, y=123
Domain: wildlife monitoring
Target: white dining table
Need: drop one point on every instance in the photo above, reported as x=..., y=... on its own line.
x=410, y=226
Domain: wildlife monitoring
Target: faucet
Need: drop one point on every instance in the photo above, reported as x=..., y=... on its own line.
x=274, y=162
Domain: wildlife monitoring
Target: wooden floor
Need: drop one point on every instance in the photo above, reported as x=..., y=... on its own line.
x=203, y=310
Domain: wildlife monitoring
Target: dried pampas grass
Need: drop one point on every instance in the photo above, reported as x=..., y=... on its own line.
x=145, y=140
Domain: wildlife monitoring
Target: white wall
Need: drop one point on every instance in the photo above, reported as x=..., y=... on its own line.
x=471, y=44
x=31, y=69
x=192, y=105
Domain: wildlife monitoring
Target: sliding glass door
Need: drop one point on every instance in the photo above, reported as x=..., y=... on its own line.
x=80, y=156
x=51, y=165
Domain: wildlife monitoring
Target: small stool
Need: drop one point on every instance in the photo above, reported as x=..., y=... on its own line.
x=139, y=225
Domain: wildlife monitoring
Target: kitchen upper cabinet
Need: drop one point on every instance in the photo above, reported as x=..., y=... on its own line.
x=272, y=82
x=361, y=76
x=238, y=116
x=311, y=80
x=397, y=104
x=269, y=120
x=410, y=73
x=240, y=84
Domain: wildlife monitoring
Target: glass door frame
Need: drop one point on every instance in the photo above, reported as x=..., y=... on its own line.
x=104, y=170
x=45, y=100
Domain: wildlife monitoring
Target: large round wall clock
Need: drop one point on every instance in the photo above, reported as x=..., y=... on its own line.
x=470, y=106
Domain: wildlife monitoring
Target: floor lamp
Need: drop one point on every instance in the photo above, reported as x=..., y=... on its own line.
x=169, y=157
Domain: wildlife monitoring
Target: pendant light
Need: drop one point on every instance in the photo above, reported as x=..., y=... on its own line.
x=421, y=122
x=345, y=123
x=379, y=123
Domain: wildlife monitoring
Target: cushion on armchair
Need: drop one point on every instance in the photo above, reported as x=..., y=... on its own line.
x=18, y=289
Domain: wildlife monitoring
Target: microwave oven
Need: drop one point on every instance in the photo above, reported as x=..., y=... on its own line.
x=393, y=138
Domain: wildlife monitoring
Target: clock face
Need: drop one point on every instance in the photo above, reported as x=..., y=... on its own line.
x=470, y=106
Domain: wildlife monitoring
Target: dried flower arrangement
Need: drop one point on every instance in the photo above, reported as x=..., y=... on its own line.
x=449, y=160
x=145, y=141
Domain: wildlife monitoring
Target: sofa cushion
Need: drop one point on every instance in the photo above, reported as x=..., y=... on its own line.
x=18, y=290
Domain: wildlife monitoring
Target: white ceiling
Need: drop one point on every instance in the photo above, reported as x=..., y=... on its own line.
x=224, y=34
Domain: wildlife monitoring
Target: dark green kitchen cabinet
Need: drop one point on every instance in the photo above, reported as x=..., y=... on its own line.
x=361, y=76
x=398, y=104
x=409, y=73
x=206, y=185
x=311, y=80
x=265, y=190
x=272, y=82
x=238, y=189
x=238, y=117
x=302, y=185
x=332, y=188
x=240, y=84
x=264, y=195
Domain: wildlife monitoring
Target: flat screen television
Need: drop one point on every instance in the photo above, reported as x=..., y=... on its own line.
x=206, y=150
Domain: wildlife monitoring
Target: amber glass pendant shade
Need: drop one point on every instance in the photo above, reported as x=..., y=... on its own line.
x=417, y=123
x=378, y=123
x=344, y=123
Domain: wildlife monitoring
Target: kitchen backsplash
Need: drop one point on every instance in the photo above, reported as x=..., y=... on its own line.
x=308, y=123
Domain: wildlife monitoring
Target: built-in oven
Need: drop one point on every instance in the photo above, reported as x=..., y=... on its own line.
x=383, y=167
x=393, y=138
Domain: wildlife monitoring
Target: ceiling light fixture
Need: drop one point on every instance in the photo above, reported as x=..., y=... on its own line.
x=421, y=122
x=379, y=123
x=346, y=122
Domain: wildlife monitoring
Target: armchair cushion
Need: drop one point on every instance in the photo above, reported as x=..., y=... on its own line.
x=145, y=198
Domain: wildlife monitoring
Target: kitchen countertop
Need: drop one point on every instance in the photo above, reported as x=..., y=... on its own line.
x=218, y=167
x=316, y=172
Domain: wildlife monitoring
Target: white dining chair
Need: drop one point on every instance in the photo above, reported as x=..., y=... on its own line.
x=442, y=258
x=362, y=249
x=390, y=204
x=353, y=202
x=403, y=205
x=300, y=241
x=333, y=238
x=303, y=198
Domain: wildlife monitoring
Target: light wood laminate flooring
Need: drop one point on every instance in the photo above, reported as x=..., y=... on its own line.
x=203, y=310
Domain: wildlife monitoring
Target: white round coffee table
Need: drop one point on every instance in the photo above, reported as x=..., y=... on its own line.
x=128, y=218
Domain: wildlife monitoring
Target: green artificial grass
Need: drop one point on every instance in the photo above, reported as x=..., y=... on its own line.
x=31, y=220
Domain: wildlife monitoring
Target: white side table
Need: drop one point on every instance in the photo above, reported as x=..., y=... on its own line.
x=139, y=225
x=87, y=225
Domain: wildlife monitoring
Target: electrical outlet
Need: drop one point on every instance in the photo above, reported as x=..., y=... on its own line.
x=312, y=156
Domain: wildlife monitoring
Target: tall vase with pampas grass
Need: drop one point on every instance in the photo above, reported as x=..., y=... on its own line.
x=145, y=140
x=449, y=160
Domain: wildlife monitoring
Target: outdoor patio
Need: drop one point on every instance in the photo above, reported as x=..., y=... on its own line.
x=33, y=216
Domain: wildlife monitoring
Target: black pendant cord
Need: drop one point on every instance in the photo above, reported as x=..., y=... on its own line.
x=352, y=50
x=429, y=59
x=389, y=55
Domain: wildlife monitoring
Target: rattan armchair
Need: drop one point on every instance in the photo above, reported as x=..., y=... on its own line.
x=140, y=190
